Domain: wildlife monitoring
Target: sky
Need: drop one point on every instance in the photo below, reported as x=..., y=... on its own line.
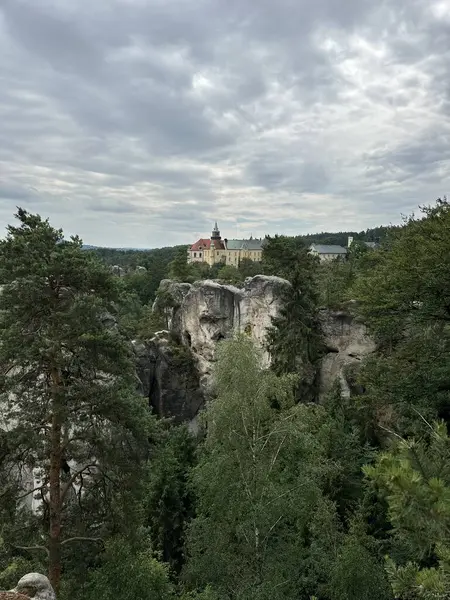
x=138, y=123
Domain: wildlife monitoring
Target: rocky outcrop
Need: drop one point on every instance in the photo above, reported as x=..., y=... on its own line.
x=169, y=300
x=347, y=343
x=176, y=366
x=212, y=311
x=198, y=316
x=118, y=271
x=31, y=585
x=169, y=378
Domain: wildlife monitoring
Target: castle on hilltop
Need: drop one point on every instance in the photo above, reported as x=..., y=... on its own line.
x=229, y=252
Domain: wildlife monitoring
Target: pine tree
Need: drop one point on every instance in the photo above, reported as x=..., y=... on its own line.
x=409, y=280
x=169, y=501
x=67, y=377
x=294, y=339
x=414, y=478
x=179, y=268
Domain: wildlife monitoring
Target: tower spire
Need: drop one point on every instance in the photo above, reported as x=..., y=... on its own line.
x=215, y=232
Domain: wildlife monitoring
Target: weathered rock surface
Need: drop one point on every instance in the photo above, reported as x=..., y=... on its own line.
x=198, y=316
x=169, y=300
x=169, y=378
x=117, y=270
x=347, y=343
x=175, y=367
x=212, y=311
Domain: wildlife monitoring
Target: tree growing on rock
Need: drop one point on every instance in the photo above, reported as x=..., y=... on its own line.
x=67, y=385
x=294, y=339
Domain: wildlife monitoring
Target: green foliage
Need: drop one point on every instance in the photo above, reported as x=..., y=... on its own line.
x=349, y=448
x=333, y=282
x=179, y=269
x=271, y=501
x=130, y=259
x=14, y=565
x=413, y=377
x=128, y=574
x=249, y=268
x=281, y=255
x=143, y=285
x=207, y=594
x=169, y=502
x=336, y=278
x=357, y=574
x=376, y=234
x=68, y=386
x=414, y=476
x=409, y=280
x=151, y=322
x=294, y=340
x=251, y=541
x=130, y=313
x=230, y=274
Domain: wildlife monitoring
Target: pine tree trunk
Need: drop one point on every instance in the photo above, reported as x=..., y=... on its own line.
x=55, y=488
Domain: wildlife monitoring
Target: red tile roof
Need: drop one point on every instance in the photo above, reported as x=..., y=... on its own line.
x=205, y=244
x=202, y=244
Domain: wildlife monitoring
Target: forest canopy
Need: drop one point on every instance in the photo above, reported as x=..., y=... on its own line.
x=279, y=496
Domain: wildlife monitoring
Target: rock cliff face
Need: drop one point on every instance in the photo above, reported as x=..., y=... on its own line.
x=347, y=343
x=175, y=367
x=169, y=378
x=211, y=312
x=198, y=316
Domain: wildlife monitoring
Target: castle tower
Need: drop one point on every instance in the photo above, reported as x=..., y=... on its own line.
x=215, y=233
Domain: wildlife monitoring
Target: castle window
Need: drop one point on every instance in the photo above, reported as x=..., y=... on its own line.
x=200, y=254
x=195, y=254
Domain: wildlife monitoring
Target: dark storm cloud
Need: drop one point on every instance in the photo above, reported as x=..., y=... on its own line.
x=137, y=122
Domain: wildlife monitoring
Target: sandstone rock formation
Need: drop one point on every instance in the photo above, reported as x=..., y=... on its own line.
x=211, y=311
x=347, y=343
x=197, y=317
x=175, y=367
x=117, y=270
x=169, y=300
x=169, y=378
x=32, y=585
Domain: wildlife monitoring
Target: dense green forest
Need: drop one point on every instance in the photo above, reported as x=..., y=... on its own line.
x=279, y=497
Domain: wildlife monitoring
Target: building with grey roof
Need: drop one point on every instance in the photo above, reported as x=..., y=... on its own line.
x=328, y=252
x=250, y=244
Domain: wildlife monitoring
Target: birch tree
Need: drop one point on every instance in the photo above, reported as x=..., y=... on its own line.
x=258, y=483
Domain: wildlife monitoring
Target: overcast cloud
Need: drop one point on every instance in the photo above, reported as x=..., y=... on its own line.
x=140, y=122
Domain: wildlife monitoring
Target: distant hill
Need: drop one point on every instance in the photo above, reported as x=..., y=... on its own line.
x=159, y=258
x=130, y=258
x=89, y=247
x=376, y=234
